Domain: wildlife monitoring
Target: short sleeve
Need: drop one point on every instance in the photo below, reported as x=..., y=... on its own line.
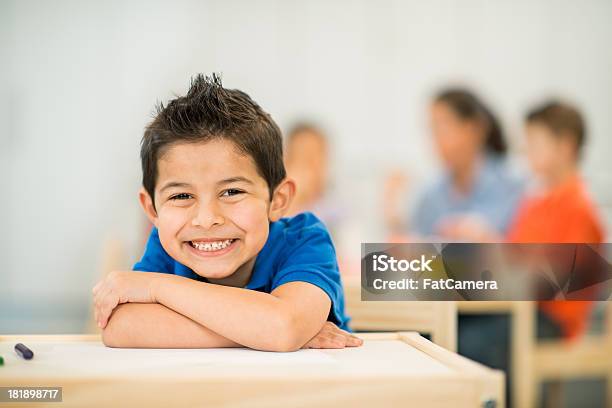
x=155, y=258
x=312, y=259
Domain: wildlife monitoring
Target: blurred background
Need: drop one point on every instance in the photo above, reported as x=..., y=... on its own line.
x=79, y=81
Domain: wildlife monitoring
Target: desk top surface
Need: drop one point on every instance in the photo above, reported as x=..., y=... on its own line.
x=396, y=354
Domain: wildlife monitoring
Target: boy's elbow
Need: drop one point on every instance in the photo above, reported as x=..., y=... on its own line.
x=109, y=337
x=286, y=345
x=113, y=335
x=288, y=337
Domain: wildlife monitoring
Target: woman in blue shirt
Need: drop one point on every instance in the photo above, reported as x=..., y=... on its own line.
x=476, y=196
x=474, y=200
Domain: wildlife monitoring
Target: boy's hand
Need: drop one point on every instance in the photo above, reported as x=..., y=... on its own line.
x=333, y=337
x=121, y=287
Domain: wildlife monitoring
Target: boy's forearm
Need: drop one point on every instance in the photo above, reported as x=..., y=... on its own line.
x=255, y=319
x=151, y=325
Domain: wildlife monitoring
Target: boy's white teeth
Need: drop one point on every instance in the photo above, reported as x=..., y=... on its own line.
x=212, y=246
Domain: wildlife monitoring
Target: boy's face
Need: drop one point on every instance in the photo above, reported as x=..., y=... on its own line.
x=548, y=154
x=213, y=207
x=306, y=161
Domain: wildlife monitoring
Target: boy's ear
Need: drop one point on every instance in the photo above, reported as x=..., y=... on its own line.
x=281, y=199
x=146, y=202
x=569, y=148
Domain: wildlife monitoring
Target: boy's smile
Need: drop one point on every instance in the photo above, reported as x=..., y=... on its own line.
x=211, y=209
x=212, y=247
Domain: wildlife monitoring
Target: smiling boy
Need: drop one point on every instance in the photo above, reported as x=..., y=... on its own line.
x=223, y=268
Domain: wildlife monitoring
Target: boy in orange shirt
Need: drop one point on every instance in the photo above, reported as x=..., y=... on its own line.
x=560, y=210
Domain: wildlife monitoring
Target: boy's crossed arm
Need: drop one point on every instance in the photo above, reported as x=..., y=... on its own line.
x=151, y=325
x=172, y=311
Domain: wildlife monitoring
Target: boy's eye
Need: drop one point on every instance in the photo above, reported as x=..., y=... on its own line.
x=231, y=192
x=181, y=196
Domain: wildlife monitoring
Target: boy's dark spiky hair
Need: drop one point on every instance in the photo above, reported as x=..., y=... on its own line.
x=209, y=111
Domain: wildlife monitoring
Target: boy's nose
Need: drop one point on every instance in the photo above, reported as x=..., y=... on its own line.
x=207, y=215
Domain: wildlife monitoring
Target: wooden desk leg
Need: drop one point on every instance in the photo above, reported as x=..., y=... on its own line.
x=609, y=388
x=445, y=332
x=523, y=337
x=608, y=334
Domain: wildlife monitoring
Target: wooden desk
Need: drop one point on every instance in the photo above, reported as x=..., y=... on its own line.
x=390, y=369
x=438, y=319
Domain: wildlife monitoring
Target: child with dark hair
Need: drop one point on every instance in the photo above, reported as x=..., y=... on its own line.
x=559, y=209
x=223, y=268
x=476, y=195
x=558, y=212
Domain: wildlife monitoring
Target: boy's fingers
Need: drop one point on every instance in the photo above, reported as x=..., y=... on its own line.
x=338, y=330
x=331, y=344
x=332, y=337
x=111, y=302
x=354, y=341
x=103, y=299
x=350, y=339
x=102, y=318
x=339, y=340
x=100, y=297
x=101, y=294
x=326, y=341
x=313, y=344
x=96, y=287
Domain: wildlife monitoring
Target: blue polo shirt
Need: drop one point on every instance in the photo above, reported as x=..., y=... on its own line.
x=298, y=249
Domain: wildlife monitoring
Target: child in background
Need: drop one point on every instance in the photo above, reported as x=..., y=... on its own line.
x=476, y=195
x=307, y=157
x=306, y=160
x=559, y=210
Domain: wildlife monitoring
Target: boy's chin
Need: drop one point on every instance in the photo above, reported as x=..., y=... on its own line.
x=212, y=275
x=225, y=279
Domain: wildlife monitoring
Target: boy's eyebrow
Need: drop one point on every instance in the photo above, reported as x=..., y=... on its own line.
x=234, y=180
x=171, y=184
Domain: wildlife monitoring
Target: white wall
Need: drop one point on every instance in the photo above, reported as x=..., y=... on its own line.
x=79, y=81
